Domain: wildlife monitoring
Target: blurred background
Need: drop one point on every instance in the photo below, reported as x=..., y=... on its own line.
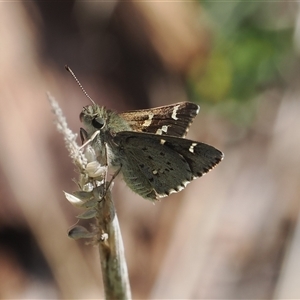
x=232, y=234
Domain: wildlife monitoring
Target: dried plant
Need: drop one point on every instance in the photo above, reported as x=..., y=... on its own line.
x=94, y=194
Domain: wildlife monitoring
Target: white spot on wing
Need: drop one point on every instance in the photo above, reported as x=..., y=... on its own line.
x=162, y=130
x=180, y=188
x=185, y=183
x=172, y=191
x=149, y=121
x=165, y=128
x=191, y=149
x=174, y=114
x=161, y=196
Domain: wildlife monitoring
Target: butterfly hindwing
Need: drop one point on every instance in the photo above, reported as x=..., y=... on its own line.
x=155, y=166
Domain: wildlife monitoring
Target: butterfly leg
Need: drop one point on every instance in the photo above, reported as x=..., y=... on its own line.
x=90, y=139
x=113, y=178
x=83, y=135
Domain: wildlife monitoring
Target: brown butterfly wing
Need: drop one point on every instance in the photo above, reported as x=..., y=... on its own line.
x=173, y=120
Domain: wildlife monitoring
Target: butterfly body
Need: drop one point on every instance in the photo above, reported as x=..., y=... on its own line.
x=148, y=148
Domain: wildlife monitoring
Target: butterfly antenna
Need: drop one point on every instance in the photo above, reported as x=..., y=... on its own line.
x=80, y=85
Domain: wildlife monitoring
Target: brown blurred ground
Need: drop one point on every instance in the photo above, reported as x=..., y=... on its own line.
x=228, y=235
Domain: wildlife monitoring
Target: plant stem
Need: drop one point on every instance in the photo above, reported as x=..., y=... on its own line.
x=111, y=250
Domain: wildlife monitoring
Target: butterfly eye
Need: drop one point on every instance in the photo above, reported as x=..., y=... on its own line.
x=98, y=122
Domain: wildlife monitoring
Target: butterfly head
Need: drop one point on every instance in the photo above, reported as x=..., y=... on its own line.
x=105, y=124
x=93, y=118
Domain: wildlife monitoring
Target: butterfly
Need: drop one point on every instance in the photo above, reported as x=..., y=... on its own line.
x=148, y=146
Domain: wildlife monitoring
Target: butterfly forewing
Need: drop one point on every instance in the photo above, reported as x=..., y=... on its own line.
x=155, y=166
x=173, y=120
